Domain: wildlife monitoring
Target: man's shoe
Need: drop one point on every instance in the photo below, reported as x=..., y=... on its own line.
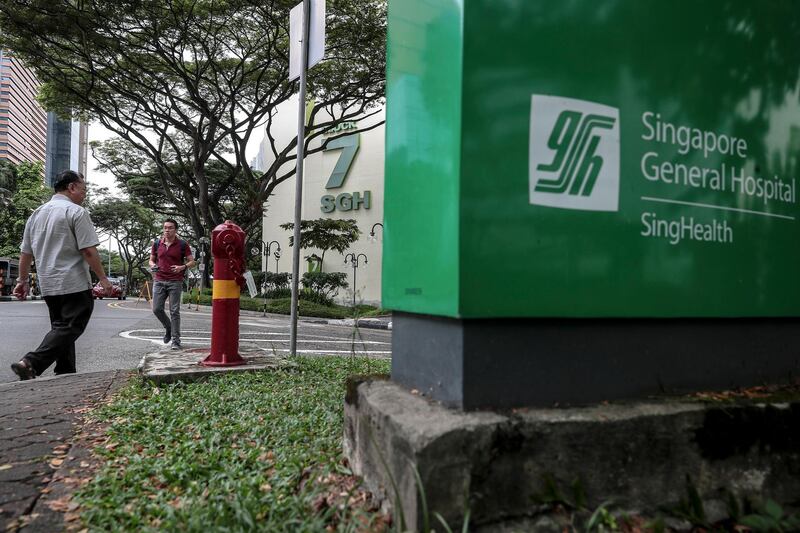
x=175, y=346
x=167, y=336
x=24, y=370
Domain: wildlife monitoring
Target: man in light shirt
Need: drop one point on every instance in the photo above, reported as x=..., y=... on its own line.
x=61, y=236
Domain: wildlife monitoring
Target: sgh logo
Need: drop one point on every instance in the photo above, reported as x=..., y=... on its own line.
x=574, y=154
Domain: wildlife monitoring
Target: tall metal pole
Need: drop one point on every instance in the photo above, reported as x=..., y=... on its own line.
x=355, y=267
x=298, y=190
x=266, y=269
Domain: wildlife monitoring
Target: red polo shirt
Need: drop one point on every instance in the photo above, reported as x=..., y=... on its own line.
x=168, y=256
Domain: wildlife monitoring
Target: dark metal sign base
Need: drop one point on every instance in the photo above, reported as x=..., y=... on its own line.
x=504, y=363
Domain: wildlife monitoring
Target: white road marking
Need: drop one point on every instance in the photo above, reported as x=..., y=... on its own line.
x=332, y=352
x=142, y=334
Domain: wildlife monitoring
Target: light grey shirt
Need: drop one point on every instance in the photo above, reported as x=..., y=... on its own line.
x=55, y=234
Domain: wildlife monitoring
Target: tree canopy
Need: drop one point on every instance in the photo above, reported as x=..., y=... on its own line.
x=8, y=182
x=186, y=83
x=325, y=234
x=26, y=193
x=131, y=225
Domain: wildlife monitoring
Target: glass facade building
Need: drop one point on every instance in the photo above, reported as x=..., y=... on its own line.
x=23, y=124
x=67, y=147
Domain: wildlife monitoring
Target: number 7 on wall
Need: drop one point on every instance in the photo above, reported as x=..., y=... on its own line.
x=350, y=147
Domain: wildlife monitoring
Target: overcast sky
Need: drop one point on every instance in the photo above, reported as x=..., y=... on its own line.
x=98, y=133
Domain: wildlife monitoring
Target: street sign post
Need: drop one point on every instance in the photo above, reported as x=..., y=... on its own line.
x=313, y=18
x=316, y=37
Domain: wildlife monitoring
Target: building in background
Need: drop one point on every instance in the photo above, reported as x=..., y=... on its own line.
x=23, y=123
x=359, y=196
x=67, y=147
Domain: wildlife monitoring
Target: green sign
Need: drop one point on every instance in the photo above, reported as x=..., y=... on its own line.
x=344, y=201
x=634, y=158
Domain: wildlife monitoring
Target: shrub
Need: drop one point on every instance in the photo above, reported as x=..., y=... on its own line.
x=277, y=280
x=324, y=285
x=283, y=292
x=273, y=284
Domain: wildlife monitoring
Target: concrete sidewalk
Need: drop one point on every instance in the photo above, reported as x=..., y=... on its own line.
x=39, y=454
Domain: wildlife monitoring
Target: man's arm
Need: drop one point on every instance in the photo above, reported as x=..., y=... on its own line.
x=153, y=259
x=190, y=262
x=21, y=288
x=91, y=256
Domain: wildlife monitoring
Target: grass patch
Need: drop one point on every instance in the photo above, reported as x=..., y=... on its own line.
x=239, y=452
x=282, y=306
x=369, y=311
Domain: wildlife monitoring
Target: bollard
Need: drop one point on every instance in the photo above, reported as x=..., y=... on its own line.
x=227, y=248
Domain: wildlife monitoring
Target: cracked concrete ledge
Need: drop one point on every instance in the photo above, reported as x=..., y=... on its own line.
x=637, y=455
x=169, y=366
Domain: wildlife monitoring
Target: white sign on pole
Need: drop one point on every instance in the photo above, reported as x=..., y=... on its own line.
x=251, y=284
x=316, y=39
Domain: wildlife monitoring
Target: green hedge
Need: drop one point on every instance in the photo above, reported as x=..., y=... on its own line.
x=282, y=306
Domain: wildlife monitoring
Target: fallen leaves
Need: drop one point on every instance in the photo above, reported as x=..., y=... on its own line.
x=62, y=505
x=759, y=392
x=345, y=495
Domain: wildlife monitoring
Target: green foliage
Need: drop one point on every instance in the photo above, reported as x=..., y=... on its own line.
x=691, y=507
x=602, y=520
x=325, y=285
x=283, y=292
x=8, y=182
x=325, y=234
x=275, y=283
x=282, y=306
x=551, y=493
x=131, y=225
x=240, y=452
x=277, y=280
x=230, y=193
x=761, y=517
x=770, y=518
x=187, y=85
x=27, y=192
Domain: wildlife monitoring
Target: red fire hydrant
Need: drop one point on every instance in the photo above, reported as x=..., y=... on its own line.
x=227, y=248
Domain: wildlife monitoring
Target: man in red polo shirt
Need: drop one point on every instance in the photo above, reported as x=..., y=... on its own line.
x=170, y=258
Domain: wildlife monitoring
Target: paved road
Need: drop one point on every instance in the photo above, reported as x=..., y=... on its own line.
x=23, y=324
x=121, y=332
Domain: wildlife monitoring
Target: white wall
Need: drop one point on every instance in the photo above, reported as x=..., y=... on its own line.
x=365, y=174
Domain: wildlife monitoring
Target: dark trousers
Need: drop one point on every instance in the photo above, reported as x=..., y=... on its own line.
x=69, y=315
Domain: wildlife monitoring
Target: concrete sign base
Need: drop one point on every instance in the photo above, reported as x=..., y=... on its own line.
x=499, y=465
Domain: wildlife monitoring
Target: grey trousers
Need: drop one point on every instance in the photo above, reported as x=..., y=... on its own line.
x=171, y=289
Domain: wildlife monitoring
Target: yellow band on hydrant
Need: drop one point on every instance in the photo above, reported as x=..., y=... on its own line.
x=224, y=289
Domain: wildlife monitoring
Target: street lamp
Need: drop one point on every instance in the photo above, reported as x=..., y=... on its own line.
x=354, y=261
x=204, y=241
x=372, y=237
x=266, y=248
x=277, y=257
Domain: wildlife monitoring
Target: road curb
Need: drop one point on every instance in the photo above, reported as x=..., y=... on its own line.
x=369, y=323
